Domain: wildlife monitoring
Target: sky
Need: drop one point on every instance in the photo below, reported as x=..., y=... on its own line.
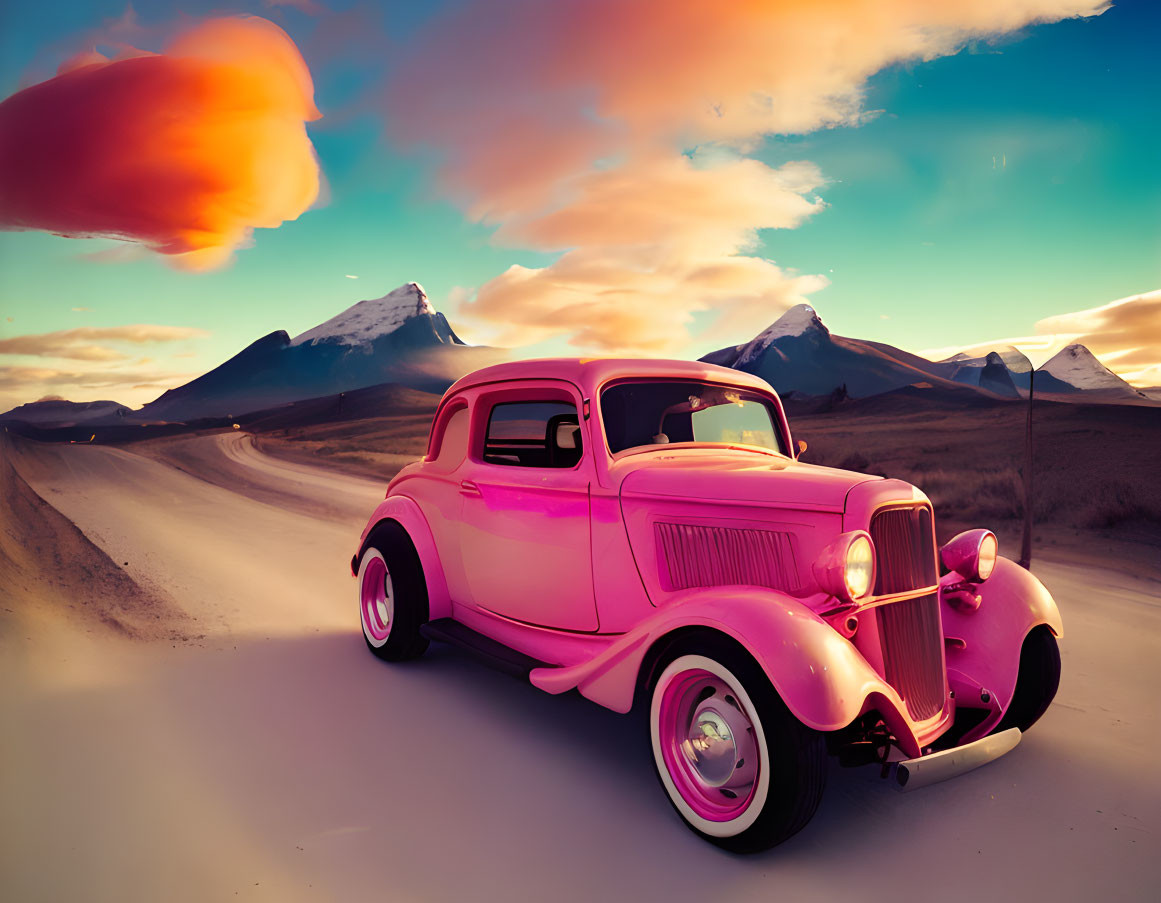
x=584, y=176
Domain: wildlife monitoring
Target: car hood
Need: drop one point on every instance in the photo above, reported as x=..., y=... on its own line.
x=736, y=476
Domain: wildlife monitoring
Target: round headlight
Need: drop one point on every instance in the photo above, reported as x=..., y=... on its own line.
x=987, y=560
x=860, y=567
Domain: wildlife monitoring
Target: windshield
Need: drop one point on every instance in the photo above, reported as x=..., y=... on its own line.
x=660, y=413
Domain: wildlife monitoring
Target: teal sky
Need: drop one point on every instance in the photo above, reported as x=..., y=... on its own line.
x=1014, y=181
x=1005, y=184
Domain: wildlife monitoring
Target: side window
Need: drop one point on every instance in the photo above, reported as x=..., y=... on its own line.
x=453, y=442
x=533, y=434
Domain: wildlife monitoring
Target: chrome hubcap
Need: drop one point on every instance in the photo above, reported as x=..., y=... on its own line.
x=376, y=600
x=719, y=743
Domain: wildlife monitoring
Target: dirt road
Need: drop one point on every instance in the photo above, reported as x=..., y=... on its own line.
x=262, y=752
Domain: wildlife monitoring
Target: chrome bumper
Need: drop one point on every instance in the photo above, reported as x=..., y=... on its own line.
x=911, y=774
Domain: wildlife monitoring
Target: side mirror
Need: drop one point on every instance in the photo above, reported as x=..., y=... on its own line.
x=567, y=435
x=802, y=446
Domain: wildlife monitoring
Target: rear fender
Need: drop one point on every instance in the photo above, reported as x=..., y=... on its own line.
x=983, y=644
x=819, y=674
x=408, y=515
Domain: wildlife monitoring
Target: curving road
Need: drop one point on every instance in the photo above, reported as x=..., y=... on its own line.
x=270, y=757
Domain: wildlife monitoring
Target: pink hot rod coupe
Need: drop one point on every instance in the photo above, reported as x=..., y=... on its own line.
x=642, y=531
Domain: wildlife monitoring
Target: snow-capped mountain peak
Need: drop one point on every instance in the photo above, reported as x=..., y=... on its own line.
x=1079, y=367
x=799, y=320
x=368, y=320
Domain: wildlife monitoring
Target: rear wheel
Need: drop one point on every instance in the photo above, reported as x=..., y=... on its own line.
x=392, y=594
x=738, y=767
x=1037, y=682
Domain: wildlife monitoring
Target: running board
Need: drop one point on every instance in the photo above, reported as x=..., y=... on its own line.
x=485, y=649
x=911, y=774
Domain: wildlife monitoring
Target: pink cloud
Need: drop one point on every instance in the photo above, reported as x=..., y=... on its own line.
x=564, y=125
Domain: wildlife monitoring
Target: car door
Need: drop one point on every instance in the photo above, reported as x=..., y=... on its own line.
x=524, y=533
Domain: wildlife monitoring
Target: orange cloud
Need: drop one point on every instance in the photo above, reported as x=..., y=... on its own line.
x=185, y=152
x=648, y=245
x=564, y=125
x=1124, y=334
x=671, y=200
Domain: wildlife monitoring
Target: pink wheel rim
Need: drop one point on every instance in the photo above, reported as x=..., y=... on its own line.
x=708, y=745
x=375, y=599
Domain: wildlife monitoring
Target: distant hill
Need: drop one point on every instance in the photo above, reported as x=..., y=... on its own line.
x=54, y=412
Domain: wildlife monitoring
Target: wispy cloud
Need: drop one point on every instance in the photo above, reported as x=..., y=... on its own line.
x=601, y=100
x=78, y=344
x=24, y=377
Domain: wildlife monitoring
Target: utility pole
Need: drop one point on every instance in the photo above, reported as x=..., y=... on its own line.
x=1026, y=542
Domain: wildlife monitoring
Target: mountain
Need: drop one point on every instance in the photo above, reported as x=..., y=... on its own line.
x=996, y=377
x=969, y=370
x=1078, y=367
x=797, y=353
x=367, y=321
x=54, y=412
x=399, y=338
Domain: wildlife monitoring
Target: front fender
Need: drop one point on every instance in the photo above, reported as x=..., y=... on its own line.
x=820, y=676
x=983, y=645
x=408, y=514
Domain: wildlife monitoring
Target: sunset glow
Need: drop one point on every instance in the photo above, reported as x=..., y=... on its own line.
x=581, y=176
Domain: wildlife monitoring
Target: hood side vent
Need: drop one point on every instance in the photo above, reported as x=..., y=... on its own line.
x=691, y=555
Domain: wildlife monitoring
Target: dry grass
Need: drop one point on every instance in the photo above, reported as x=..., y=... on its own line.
x=1096, y=467
x=376, y=447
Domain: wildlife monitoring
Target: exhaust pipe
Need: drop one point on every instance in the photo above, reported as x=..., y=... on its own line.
x=911, y=774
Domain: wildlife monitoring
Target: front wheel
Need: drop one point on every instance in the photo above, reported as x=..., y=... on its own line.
x=392, y=594
x=738, y=767
x=1037, y=683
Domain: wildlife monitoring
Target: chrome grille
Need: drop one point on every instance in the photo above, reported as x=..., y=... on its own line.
x=912, y=641
x=910, y=630
x=905, y=549
x=694, y=555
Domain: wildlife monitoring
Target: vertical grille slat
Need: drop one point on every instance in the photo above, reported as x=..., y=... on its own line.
x=912, y=640
x=906, y=549
x=692, y=555
x=910, y=630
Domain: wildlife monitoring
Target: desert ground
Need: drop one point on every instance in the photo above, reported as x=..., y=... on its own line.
x=190, y=713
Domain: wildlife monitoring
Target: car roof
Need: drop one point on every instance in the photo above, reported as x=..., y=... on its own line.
x=590, y=373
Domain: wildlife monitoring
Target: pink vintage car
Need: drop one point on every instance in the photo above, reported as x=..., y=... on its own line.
x=641, y=531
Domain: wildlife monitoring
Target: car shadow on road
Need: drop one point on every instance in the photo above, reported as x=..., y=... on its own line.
x=445, y=779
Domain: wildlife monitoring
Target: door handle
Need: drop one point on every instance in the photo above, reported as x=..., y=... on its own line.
x=467, y=487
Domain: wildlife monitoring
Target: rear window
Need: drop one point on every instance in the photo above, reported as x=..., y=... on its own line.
x=533, y=434
x=661, y=413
